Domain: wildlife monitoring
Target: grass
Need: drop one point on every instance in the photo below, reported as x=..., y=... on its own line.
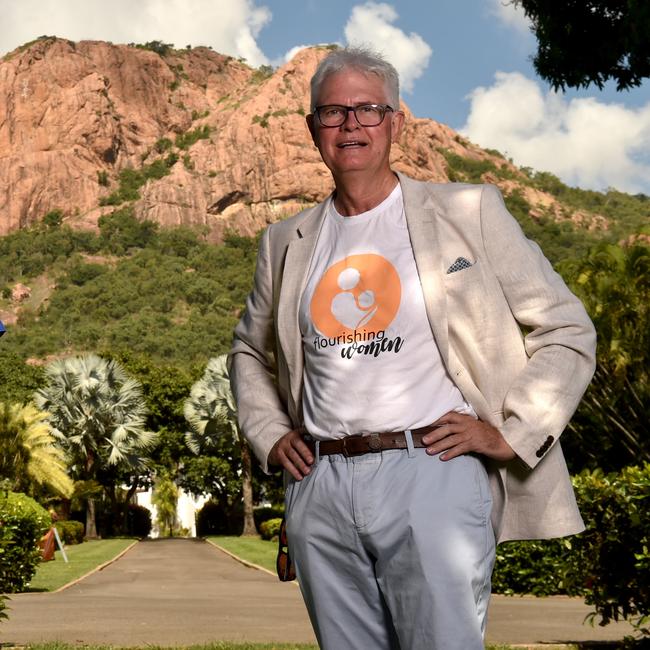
x=82, y=558
x=225, y=645
x=251, y=549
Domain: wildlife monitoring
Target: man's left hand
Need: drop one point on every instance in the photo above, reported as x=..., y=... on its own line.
x=457, y=434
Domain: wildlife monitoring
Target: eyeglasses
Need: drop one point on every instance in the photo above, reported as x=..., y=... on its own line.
x=334, y=115
x=283, y=563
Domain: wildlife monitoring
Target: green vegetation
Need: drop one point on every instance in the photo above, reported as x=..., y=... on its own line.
x=559, y=240
x=608, y=564
x=252, y=549
x=186, y=140
x=160, y=48
x=263, y=120
x=131, y=180
x=102, y=178
x=23, y=523
x=83, y=558
x=53, y=218
x=261, y=74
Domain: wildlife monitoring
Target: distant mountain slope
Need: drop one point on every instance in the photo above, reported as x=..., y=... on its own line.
x=192, y=137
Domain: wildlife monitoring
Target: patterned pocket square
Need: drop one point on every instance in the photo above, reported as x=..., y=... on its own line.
x=460, y=264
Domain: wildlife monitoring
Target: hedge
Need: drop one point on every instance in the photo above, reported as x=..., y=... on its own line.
x=270, y=528
x=70, y=531
x=608, y=564
x=22, y=523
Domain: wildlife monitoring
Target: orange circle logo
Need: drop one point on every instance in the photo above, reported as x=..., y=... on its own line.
x=360, y=291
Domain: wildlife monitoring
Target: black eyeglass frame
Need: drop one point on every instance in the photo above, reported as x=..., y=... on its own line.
x=385, y=108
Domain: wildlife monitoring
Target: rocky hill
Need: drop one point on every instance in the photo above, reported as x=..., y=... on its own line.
x=188, y=137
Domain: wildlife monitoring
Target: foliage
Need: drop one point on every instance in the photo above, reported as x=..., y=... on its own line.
x=131, y=180
x=165, y=497
x=121, y=231
x=22, y=523
x=580, y=43
x=186, y=140
x=610, y=428
x=70, y=531
x=97, y=413
x=29, y=458
x=138, y=521
x=169, y=295
x=210, y=406
x=102, y=178
x=160, y=48
x=18, y=379
x=608, y=564
x=268, y=512
x=53, y=219
x=270, y=528
x=261, y=74
x=211, y=520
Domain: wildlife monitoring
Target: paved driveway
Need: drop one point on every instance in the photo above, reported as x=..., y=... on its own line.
x=180, y=592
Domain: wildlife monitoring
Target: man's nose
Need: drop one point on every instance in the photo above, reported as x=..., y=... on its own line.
x=351, y=123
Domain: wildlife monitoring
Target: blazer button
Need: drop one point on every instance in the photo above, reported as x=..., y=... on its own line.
x=539, y=453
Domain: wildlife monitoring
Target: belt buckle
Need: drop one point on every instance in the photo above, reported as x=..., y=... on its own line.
x=374, y=443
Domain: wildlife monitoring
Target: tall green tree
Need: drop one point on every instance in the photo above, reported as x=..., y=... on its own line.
x=29, y=458
x=165, y=498
x=210, y=406
x=610, y=428
x=98, y=414
x=590, y=41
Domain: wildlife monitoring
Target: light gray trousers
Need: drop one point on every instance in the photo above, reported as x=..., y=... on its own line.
x=393, y=550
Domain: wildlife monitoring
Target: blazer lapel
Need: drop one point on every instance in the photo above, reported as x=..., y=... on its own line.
x=422, y=213
x=294, y=278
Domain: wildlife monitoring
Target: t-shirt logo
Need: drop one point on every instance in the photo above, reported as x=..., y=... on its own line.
x=360, y=291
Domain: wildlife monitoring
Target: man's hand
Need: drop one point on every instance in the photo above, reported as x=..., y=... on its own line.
x=293, y=454
x=458, y=434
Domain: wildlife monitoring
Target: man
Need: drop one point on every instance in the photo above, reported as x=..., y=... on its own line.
x=381, y=363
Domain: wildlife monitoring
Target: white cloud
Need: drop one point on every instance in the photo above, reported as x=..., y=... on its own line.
x=583, y=141
x=371, y=24
x=510, y=15
x=229, y=26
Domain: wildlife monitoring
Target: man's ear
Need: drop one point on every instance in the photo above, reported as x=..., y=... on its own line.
x=312, y=128
x=396, y=126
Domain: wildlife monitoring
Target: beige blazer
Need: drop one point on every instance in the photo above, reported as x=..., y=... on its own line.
x=527, y=385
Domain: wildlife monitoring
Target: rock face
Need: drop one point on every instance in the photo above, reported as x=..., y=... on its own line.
x=74, y=115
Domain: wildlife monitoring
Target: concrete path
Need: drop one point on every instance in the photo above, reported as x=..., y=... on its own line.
x=182, y=592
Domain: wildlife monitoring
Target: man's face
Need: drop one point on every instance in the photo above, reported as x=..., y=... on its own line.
x=352, y=147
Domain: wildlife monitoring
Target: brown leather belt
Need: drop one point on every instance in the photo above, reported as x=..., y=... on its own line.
x=369, y=443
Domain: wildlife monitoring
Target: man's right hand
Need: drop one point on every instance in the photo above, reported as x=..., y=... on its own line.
x=293, y=454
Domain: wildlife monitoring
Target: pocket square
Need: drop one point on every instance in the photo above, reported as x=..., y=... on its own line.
x=460, y=264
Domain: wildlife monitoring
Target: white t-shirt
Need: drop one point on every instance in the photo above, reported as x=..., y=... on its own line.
x=371, y=363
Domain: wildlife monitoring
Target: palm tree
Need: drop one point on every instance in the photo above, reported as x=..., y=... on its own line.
x=28, y=455
x=211, y=404
x=98, y=414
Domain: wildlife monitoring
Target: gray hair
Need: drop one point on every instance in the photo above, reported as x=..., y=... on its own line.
x=362, y=59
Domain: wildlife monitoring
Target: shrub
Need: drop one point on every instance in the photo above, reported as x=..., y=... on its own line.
x=211, y=520
x=270, y=528
x=22, y=523
x=138, y=521
x=608, y=564
x=260, y=515
x=53, y=219
x=70, y=531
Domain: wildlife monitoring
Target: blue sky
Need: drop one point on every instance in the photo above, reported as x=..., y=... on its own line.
x=463, y=62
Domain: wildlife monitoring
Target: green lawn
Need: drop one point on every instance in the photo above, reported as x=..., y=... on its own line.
x=82, y=559
x=222, y=645
x=251, y=549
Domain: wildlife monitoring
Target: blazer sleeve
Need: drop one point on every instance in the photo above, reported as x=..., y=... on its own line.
x=262, y=414
x=560, y=341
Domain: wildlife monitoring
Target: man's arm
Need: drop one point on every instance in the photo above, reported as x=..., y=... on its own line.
x=560, y=346
x=262, y=414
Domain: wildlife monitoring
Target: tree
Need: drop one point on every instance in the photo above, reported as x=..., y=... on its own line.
x=211, y=405
x=98, y=414
x=581, y=42
x=610, y=428
x=165, y=498
x=28, y=455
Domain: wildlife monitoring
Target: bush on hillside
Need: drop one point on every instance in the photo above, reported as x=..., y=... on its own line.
x=22, y=523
